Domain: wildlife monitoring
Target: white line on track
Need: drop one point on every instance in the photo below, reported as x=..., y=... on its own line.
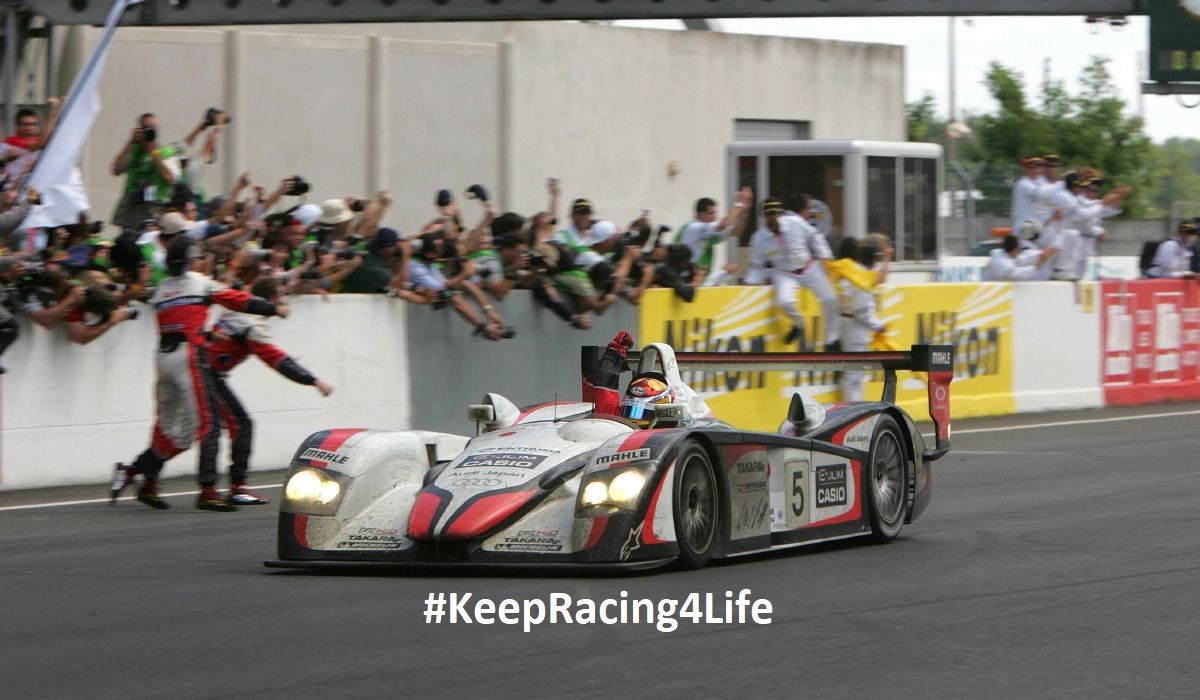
x=1061, y=423
x=999, y=429
x=58, y=504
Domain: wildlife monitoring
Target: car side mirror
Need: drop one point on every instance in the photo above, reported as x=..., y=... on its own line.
x=481, y=414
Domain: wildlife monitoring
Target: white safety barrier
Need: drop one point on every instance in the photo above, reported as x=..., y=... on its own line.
x=70, y=411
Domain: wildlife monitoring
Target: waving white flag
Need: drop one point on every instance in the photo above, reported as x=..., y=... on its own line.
x=56, y=174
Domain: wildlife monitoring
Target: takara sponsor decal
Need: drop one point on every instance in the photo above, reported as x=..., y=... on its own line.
x=750, y=475
x=531, y=541
x=831, y=485
x=373, y=538
x=324, y=456
x=627, y=456
x=521, y=460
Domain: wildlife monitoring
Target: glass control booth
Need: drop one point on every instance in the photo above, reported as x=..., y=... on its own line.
x=868, y=186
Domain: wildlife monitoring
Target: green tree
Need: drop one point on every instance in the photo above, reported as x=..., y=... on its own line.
x=1174, y=175
x=923, y=124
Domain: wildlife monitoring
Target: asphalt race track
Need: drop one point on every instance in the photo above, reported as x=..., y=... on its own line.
x=1056, y=561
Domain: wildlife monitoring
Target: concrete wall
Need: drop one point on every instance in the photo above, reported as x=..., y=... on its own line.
x=416, y=107
x=450, y=372
x=70, y=411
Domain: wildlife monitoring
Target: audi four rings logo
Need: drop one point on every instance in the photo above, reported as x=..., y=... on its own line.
x=476, y=483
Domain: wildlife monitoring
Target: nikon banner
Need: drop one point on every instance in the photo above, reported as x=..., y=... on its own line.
x=975, y=318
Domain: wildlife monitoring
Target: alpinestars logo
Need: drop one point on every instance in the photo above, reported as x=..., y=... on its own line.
x=632, y=542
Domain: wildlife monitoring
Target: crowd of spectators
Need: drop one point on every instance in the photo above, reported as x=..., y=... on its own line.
x=88, y=276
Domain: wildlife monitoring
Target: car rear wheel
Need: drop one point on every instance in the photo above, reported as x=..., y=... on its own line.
x=885, y=480
x=696, y=505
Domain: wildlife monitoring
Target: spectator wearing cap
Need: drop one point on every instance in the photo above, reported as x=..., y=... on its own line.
x=1173, y=259
x=1081, y=222
x=780, y=255
x=1030, y=193
x=591, y=279
x=156, y=237
x=380, y=267
x=150, y=170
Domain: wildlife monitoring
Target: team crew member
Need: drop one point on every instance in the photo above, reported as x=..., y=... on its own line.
x=235, y=337
x=702, y=234
x=1029, y=194
x=1173, y=259
x=1083, y=217
x=1014, y=264
x=185, y=386
x=814, y=278
x=780, y=255
x=1058, y=205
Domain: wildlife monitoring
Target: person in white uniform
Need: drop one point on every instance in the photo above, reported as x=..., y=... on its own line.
x=1085, y=214
x=1029, y=194
x=814, y=277
x=1012, y=263
x=780, y=255
x=1173, y=259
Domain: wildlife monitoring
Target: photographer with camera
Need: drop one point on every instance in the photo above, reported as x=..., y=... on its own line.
x=584, y=271
x=97, y=313
x=150, y=170
x=533, y=268
x=192, y=165
x=426, y=272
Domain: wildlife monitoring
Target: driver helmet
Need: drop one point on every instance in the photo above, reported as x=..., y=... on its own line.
x=642, y=395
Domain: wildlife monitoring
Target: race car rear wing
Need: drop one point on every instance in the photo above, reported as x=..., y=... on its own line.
x=935, y=360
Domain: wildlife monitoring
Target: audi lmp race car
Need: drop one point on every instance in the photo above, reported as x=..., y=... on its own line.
x=565, y=483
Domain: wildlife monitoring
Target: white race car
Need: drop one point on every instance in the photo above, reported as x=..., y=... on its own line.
x=657, y=481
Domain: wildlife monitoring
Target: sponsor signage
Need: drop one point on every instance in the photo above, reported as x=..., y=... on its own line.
x=626, y=456
x=313, y=453
x=977, y=319
x=508, y=460
x=1150, y=340
x=531, y=541
x=830, y=485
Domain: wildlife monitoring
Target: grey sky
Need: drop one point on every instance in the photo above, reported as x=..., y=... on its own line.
x=1022, y=43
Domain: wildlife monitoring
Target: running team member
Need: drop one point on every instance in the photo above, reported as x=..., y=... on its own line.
x=235, y=337
x=185, y=386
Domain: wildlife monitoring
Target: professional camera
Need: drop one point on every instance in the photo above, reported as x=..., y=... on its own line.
x=149, y=135
x=299, y=187
x=677, y=271
x=346, y=254
x=358, y=205
x=444, y=198
x=477, y=192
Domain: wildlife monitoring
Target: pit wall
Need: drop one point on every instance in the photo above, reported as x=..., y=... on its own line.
x=69, y=412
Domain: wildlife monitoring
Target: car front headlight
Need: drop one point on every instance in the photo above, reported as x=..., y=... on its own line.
x=608, y=492
x=312, y=491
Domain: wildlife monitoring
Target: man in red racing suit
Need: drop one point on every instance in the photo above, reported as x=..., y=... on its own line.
x=185, y=388
x=602, y=381
x=235, y=337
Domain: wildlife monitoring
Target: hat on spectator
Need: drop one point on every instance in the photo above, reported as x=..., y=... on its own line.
x=385, y=238
x=581, y=206
x=1189, y=226
x=1032, y=162
x=173, y=222
x=307, y=214
x=1050, y=160
x=773, y=206
x=335, y=211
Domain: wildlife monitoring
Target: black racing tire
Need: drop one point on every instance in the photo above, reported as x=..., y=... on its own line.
x=885, y=480
x=697, y=506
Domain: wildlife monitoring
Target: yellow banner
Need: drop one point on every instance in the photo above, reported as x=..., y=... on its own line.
x=975, y=318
